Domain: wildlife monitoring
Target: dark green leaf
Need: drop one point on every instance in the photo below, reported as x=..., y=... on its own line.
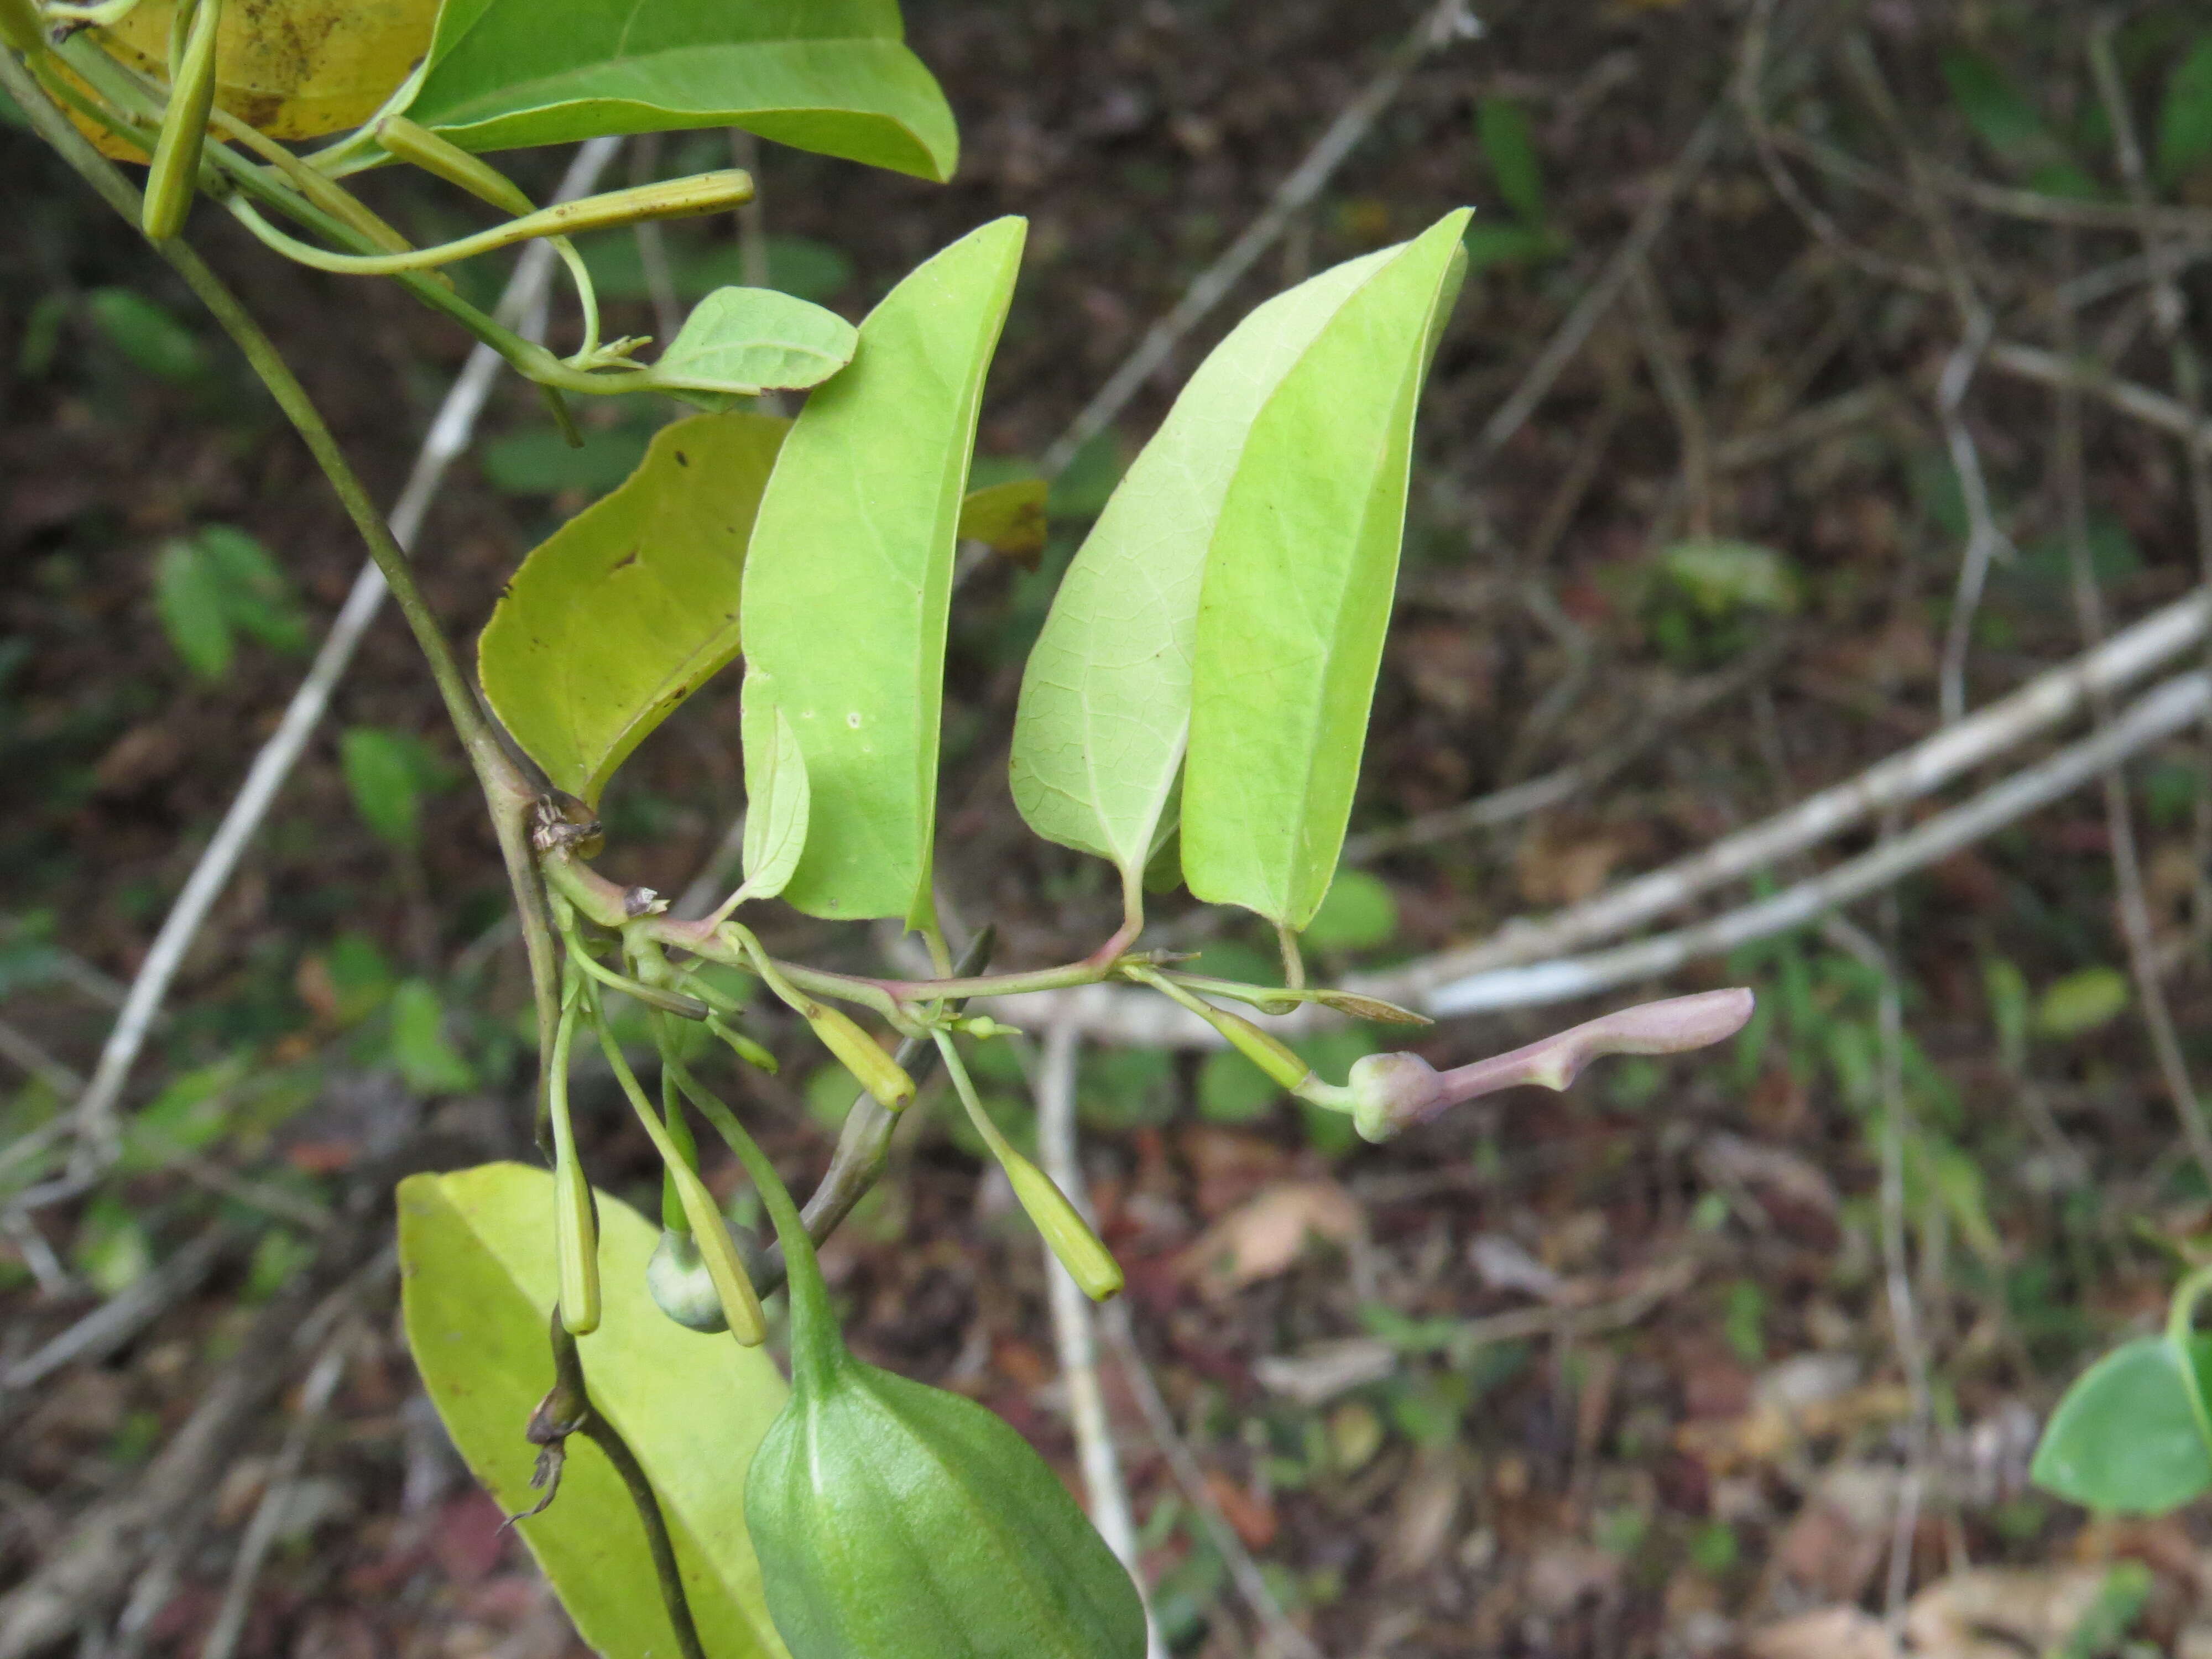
x=476, y=1265
x=1510, y=150
x=148, y=336
x=2000, y=116
x=431, y=1065
x=188, y=594
x=831, y=76
x=2184, y=119
x=257, y=595
x=384, y=771
x=2126, y=1437
x=626, y=609
x=538, y=461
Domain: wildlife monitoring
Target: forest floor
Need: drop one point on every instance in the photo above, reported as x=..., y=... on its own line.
x=1742, y=1353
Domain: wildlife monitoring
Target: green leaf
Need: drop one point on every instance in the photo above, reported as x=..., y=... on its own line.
x=1358, y=913
x=431, y=1065
x=626, y=609
x=1510, y=150
x=539, y=461
x=257, y=594
x=2082, y=1001
x=1007, y=518
x=2184, y=119
x=830, y=76
x=477, y=1269
x=188, y=595
x=1493, y=245
x=776, y=795
x=147, y=334
x=1720, y=577
x=1994, y=107
x=742, y=340
x=2126, y=1437
x=850, y=574
x=1296, y=594
x=1104, y=716
x=384, y=771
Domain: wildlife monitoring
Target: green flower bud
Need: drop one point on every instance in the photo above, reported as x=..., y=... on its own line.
x=1061, y=1225
x=681, y=1286
x=176, y=174
x=1388, y=1090
x=1270, y=1054
x=879, y=1074
x=443, y=159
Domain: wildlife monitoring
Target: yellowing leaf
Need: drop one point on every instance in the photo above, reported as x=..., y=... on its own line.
x=1007, y=517
x=296, y=69
x=478, y=1275
x=626, y=609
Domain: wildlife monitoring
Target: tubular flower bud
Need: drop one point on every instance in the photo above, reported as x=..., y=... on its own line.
x=879, y=1074
x=1062, y=1227
x=176, y=174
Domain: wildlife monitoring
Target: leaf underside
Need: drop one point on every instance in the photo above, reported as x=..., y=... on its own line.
x=1105, y=706
x=850, y=574
x=1296, y=596
x=479, y=1284
x=777, y=800
x=830, y=75
x=742, y=340
x=630, y=607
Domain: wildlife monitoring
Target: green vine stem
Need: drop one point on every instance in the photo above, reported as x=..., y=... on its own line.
x=507, y=793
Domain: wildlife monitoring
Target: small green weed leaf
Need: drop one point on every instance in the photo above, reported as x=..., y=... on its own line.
x=2185, y=118
x=479, y=1280
x=776, y=796
x=1296, y=594
x=1511, y=149
x=626, y=609
x=219, y=583
x=1494, y=245
x=850, y=574
x=2009, y=1009
x=1965, y=1192
x=188, y=594
x=112, y=1250
x=1104, y=715
x=148, y=336
x=742, y=340
x=538, y=461
x=2082, y=1001
x=385, y=772
x=1994, y=107
x=1357, y=913
x=2125, y=1439
x=1722, y=577
x=1007, y=518
x=431, y=1065
x=830, y=76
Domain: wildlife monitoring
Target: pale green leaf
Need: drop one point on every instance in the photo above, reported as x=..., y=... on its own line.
x=1720, y=577
x=1105, y=706
x=850, y=574
x=1296, y=596
x=776, y=795
x=478, y=1276
x=742, y=340
x=626, y=609
x=2082, y=1001
x=832, y=75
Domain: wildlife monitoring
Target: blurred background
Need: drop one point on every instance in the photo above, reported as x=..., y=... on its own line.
x=1824, y=376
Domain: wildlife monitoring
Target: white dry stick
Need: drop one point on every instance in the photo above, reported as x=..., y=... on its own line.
x=1074, y=1332
x=1985, y=542
x=96, y=1116
x=261, y=1532
x=1447, y=20
x=1111, y=1015
x=1283, y=1639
